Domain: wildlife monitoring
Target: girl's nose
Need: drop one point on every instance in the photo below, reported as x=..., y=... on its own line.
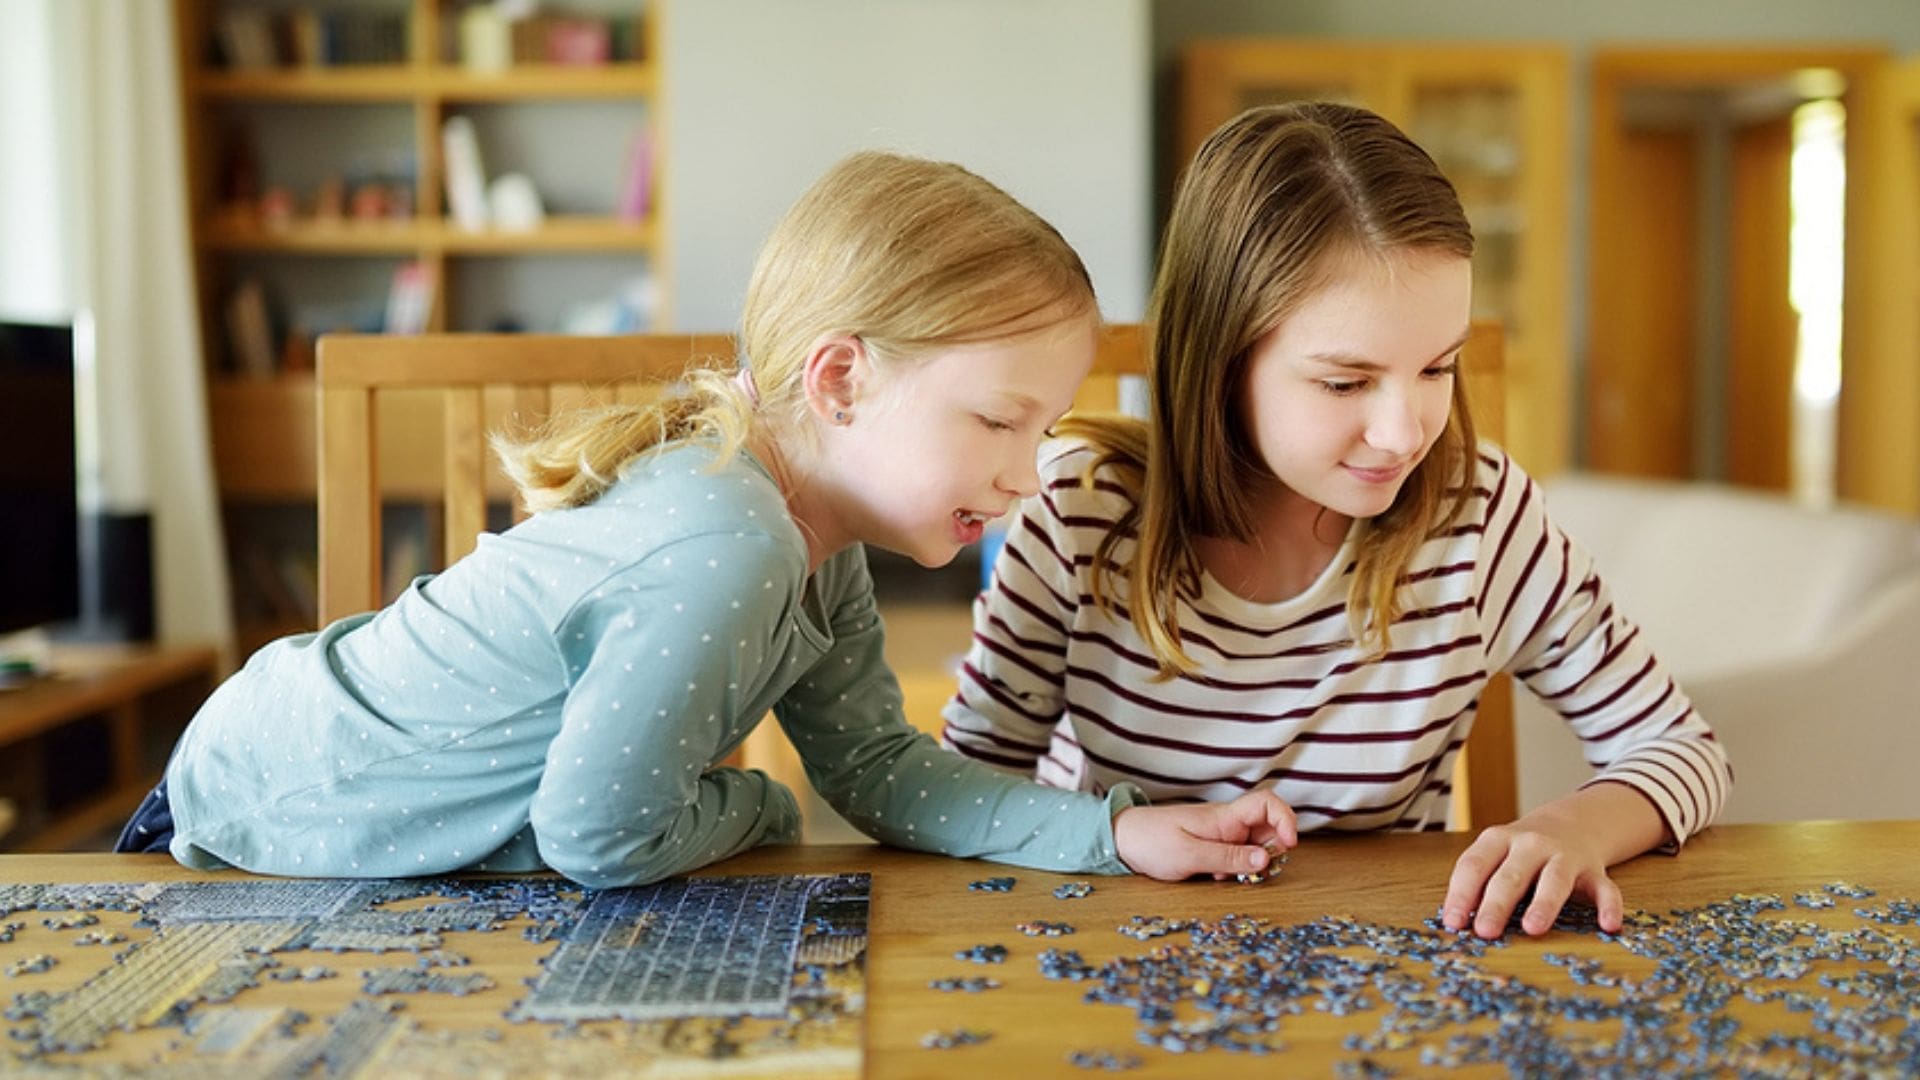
x=1021, y=476
x=1393, y=425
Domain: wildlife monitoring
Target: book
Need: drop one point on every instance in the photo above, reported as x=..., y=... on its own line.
x=250, y=330
x=636, y=186
x=409, y=299
x=466, y=178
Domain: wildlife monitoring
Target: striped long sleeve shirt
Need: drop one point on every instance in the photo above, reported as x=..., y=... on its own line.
x=1056, y=688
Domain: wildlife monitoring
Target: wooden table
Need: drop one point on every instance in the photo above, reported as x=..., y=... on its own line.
x=922, y=913
x=134, y=689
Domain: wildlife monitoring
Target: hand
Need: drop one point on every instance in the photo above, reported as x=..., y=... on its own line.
x=1548, y=853
x=1171, y=843
x=1559, y=849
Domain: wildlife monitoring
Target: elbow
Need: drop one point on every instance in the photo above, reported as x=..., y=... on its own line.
x=605, y=857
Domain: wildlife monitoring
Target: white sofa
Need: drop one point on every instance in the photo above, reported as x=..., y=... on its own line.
x=1796, y=632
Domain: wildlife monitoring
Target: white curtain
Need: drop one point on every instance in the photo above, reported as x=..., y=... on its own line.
x=122, y=156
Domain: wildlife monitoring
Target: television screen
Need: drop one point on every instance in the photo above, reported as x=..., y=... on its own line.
x=39, y=501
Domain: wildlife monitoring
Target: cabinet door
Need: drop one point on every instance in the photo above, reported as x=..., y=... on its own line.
x=1221, y=79
x=1495, y=120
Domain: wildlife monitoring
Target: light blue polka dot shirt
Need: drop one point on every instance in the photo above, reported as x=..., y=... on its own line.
x=562, y=698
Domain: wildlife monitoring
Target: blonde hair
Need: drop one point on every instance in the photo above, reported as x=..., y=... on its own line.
x=1271, y=205
x=907, y=255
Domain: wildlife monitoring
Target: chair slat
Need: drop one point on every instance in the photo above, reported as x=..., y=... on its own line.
x=466, y=470
x=349, y=503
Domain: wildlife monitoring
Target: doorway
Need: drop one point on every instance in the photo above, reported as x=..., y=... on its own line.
x=1718, y=224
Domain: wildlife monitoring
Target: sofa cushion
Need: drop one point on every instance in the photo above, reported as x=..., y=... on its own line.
x=1725, y=580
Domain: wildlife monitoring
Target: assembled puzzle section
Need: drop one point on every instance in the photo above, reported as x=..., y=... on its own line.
x=215, y=978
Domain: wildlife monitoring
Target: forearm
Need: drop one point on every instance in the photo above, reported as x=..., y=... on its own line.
x=1617, y=820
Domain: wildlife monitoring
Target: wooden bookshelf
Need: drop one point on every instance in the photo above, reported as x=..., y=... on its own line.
x=345, y=236
x=263, y=427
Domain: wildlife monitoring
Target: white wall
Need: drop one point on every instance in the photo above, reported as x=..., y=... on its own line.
x=34, y=263
x=1050, y=99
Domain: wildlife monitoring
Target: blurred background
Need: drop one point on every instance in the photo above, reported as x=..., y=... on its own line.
x=1698, y=226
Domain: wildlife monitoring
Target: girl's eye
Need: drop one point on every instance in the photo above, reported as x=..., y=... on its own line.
x=995, y=425
x=1342, y=387
x=1441, y=371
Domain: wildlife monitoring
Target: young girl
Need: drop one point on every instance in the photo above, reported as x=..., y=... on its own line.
x=562, y=696
x=1299, y=575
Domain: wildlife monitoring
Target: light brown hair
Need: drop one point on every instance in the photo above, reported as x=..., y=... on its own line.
x=907, y=255
x=1271, y=205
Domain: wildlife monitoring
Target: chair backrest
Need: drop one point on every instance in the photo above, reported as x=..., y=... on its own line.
x=399, y=387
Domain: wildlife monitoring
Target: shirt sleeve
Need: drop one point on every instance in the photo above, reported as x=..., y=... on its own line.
x=628, y=795
x=1547, y=616
x=897, y=785
x=1012, y=686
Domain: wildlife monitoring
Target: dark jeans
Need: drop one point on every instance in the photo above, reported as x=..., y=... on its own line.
x=151, y=827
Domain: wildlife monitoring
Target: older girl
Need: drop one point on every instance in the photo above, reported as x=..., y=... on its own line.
x=1300, y=573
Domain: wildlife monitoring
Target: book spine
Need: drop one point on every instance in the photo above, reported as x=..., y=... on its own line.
x=466, y=179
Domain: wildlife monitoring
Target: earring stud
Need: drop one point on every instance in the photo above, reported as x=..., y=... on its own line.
x=839, y=416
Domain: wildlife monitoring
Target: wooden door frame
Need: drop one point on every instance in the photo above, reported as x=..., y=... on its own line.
x=1879, y=423
x=1871, y=356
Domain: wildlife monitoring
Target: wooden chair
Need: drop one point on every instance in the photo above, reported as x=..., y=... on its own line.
x=407, y=417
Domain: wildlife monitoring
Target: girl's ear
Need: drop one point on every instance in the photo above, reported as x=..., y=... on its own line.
x=835, y=370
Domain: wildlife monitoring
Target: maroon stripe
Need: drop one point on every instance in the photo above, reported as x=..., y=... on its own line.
x=1267, y=632
x=1014, y=552
x=1049, y=619
x=1027, y=751
x=1606, y=660
x=1031, y=527
x=1304, y=738
x=1632, y=682
x=1046, y=675
x=1030, y=644
x=1641, y=716
x=1420, y=801
x=1139, y=775
x=1519, y=586
x=1193, y=637
x=1434, y=572
x=1673, y=816
x=1552, y=606
x=1706, y=784
x=969, y=673
x=1500, y=549
x=1308, y=682
x=1101, y=525
x=1557, y=650
x=1650, y=760
x=1352, y=698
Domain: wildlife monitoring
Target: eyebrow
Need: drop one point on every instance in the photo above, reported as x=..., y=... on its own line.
x=1361, y=363
x=1023, y=402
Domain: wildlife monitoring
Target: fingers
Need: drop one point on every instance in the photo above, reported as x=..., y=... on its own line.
x=1609, y=908
x=1470, y=874
x=1550, y=894
x=1264, y=817
x=1219, y=858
